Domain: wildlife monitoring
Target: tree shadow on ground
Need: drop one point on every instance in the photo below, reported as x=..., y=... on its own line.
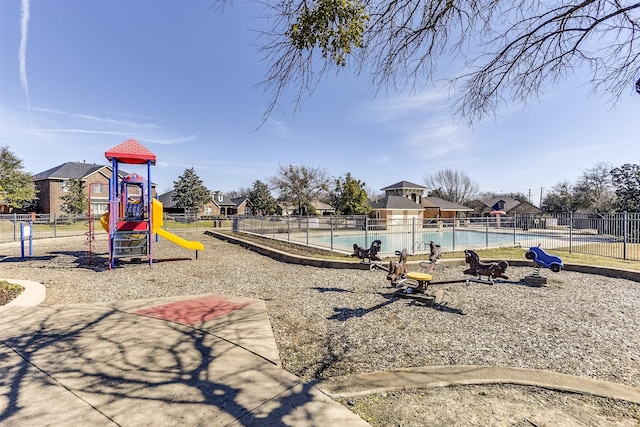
x=324, y=289
x=421, y=300
x=27, y=258
x=103, y=363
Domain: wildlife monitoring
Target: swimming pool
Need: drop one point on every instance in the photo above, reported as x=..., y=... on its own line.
x=448, y=239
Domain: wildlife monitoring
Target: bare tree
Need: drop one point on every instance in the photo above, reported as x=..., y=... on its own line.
x=452, y=185
x=300, y=185
x=597, y=188
x=512, y=50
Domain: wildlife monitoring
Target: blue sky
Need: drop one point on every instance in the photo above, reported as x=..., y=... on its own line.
x=79, y=77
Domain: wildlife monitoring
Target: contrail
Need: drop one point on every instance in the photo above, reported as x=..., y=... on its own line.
x=24, y=27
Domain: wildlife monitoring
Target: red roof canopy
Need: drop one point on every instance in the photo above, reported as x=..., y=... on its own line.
x=131, y=152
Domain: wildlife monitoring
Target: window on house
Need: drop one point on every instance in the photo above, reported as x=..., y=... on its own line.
x=99, y=188
x=99, y=208
x=65, y=186
x=208, y=211
x=219, y=197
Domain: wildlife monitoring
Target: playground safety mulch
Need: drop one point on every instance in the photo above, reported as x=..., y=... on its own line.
x=339, y=322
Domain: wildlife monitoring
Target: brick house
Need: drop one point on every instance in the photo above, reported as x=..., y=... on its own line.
x=220, y=205
x=53, y=183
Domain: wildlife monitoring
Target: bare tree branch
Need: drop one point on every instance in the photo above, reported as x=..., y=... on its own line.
x=511, y=51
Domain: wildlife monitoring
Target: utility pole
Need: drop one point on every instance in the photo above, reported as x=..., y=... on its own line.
x=541, y=188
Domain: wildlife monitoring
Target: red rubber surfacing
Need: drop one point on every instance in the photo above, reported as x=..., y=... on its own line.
x=194, y=311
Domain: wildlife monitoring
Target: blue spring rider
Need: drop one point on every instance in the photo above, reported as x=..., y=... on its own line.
x=543, y=259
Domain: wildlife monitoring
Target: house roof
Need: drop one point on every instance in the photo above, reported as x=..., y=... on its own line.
x=443, y=205
x=404, y=185
x=69, y=170
x=226, y=200
x=131, y=152
x=239, y=200
x=322, y=206
x=396, y=202
x=509, y=202
x=167, y=199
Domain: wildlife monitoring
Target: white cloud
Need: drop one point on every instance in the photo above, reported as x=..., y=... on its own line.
x=93, y=118
x=22, y=53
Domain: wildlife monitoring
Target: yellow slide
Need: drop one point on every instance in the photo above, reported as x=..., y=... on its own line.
x=157, y=222
x=104, y=221
x=189, y=244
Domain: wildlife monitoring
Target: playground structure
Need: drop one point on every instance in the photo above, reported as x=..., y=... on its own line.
x=134, y=215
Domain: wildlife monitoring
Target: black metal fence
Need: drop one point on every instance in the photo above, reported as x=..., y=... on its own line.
x=615, y=235
x=13, y=226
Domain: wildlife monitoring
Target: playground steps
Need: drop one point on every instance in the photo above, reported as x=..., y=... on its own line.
x=130, y=244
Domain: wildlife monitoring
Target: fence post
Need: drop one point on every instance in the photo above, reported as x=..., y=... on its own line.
x=570, y=231
x=413, y=235
x=55, y=225
x=626, y=235
x=453, y=234
x=366, y=232
x=288, y=229
x=307, y=231
x=331, y=227
x=15, y=226
x=486, y=231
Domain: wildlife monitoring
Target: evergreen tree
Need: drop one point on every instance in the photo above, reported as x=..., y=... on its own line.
x=17, y=189
x=190, y=193
x=626, y=180
x=75, y=201
x=564, y=197
x=350, y=196
x=261, y=200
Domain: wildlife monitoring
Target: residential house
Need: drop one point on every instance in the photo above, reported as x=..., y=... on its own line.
x=53, y=183
x=223, y=205
x=435, y=207
x=321, y=208
x=243, y=206
x=413, y=192
x=220, y=205
x=392, y=206
x=507, y=204
x=168, y=205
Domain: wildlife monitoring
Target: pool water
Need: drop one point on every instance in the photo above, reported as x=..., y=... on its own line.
x=447, y=239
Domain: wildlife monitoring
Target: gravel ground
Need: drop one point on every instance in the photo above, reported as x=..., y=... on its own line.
x=339, y=322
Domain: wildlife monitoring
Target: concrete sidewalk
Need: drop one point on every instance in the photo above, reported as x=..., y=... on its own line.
x=178, y=361
x=203, y=360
